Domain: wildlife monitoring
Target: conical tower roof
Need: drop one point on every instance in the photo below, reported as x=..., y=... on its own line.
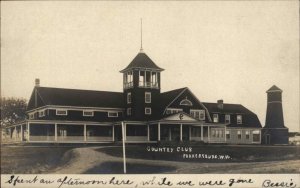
x=274, y=89
x=142, y=61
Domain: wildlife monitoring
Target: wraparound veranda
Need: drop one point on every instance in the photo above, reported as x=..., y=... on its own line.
x=36, y=131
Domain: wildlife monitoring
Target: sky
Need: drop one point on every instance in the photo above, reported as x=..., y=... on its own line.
x=230, y=50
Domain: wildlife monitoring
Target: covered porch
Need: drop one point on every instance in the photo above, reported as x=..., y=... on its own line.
x=59, y=132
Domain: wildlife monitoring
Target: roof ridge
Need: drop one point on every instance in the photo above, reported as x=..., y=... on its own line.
x=174, y=90
x=78, y=89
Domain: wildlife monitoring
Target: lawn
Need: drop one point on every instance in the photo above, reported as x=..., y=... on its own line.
x=28, y=160
x=239, y=153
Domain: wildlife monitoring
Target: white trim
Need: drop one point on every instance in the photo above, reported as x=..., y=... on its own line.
x=61, y=114
x=129, y=98
x=109, y=115
x=200, y=111
x=148, y=108
x=42, y=113
x=31, y=115
x=187, y=101
x=148, y=93
x=237, y=119
x=275, y=102
x=54, y=107
x=84, y=111
x=129, y=112
x=217, y=116
x=229, y=119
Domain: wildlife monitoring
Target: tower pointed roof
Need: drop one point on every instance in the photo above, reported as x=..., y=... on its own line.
x=142, y=61
x=274, y=88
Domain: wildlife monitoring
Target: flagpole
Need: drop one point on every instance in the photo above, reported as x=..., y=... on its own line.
x=123, y=140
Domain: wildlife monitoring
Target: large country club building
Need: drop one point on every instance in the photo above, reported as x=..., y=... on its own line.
x=59, y=115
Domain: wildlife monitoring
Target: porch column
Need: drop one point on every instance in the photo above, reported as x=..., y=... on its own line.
x=202, y=132
x=113, y=133
x=55, y=129
x=170, y=134
x=190, y=132
x=225, y=135
x=16, y=134
x=148, y=132
x=84, y=132
x=208, y=134
x=158, y=128
x=180, y=132
x=28, y=124
x=21, y=132
x=125, y=132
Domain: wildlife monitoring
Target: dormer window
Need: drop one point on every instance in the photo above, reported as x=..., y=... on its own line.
x=88, y=113
x=227, y=118
x=216, y=118
x=186, y=102
x=239, y=119
x=61, y=112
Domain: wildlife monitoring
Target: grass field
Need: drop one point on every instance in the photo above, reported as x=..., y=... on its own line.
x=238, y=153
x=29, y=160
x=108, y=160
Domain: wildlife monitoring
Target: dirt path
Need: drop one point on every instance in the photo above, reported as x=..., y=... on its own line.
x=85, y=159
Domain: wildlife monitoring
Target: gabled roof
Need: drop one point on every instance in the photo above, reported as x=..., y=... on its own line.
x=228, y=108
x=249, y=119
x=274, y=89
x=141, y=60
x=76, y=97
x=167, y=97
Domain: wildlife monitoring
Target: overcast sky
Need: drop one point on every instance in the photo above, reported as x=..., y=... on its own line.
x=230, y=50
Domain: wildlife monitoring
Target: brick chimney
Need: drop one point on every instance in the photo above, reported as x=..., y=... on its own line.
x=37, y=82
x=220, y=104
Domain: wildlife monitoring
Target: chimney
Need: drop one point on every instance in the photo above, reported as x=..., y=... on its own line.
x=37, y=82
x=220, y=104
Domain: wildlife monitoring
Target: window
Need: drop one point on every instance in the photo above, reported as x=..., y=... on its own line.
x=31, y=115
x=128, y=111
x=227, y=118
x=216, y=118
x=42, y=113
x=112, y=114
x=186, y=102
x=88, y=113
x=256, y=135
x=247, y=135
x=239, y=119
x=198, y=114
x=148, y=111
x=173, y=110
x=227, y=134
x=61, y=112
x=147, y=97
x=239, y=134
x=128, y=98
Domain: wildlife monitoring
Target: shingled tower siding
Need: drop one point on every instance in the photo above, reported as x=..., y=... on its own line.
x=274, y=131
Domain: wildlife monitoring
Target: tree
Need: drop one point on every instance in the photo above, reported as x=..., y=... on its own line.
x=12, y=110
